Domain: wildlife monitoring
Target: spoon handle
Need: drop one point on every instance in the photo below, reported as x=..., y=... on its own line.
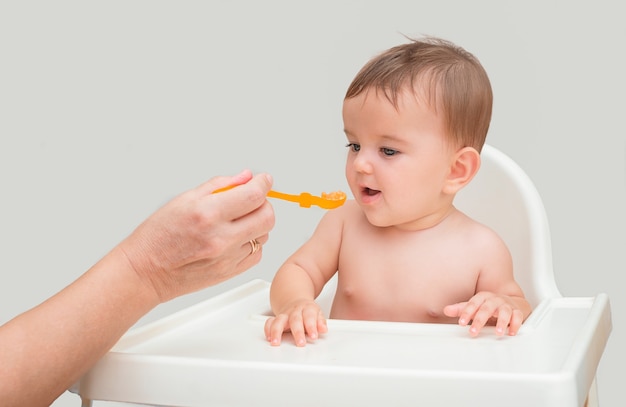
x=283, y=196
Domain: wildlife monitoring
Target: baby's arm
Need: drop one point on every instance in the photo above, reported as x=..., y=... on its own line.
x=498, y=296
x=300, y=280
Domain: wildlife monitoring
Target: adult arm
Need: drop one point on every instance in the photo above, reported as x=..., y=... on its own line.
x=196, y=240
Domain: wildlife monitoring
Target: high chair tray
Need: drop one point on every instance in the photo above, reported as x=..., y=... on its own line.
x=215, y=354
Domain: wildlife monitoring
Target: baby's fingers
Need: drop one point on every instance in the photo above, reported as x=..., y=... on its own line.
x=480, y=311
x=504, y=317
x=296, y=326
x=274, y=328
x=454, y=310
x=517, y=318
x=313, y=323
x=468, y=311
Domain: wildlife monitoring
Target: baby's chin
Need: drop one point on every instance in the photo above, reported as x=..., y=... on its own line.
x=381, y=221
x=377, y=221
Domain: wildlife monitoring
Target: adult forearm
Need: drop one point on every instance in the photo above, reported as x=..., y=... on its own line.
x=45, y=350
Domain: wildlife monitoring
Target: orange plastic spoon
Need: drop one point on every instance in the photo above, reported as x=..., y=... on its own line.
x=326, y=201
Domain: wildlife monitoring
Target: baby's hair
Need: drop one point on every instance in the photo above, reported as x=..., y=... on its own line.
x=453, y=80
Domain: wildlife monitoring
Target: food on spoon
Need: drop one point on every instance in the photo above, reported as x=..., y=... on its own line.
x=334, y=196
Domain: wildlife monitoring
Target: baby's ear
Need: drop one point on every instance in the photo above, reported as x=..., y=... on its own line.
x=463, y=167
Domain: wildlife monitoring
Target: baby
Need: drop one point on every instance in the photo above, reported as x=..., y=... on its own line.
x=415, y=118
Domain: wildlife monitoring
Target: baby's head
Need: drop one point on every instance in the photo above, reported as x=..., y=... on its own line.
x=451, y=80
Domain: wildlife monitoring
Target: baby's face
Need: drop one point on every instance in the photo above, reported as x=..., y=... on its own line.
x=398, y=160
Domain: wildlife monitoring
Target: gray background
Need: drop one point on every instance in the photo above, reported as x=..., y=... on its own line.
x=109, y=109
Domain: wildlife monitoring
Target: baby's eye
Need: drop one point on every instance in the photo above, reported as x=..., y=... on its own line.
x=353, y=146
x=388, y=151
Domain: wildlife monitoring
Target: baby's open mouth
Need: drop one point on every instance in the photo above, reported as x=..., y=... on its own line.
x=370, y=192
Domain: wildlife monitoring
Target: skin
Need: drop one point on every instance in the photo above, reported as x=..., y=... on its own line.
x=401, y=249
x=196, y=240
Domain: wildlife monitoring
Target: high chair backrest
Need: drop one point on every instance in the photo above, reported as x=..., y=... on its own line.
x=504, y=198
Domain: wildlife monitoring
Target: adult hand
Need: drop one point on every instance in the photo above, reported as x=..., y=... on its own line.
x=199, y=238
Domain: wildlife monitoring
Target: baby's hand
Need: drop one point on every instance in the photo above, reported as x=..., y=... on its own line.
x=301, y=318
x=484, y=306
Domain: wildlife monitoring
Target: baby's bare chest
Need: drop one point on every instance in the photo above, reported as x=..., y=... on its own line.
x=401, y=279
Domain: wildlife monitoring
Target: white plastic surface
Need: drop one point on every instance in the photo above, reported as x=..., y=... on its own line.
x=215, y=354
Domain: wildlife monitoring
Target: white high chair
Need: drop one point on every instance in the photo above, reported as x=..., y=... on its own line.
x=215, y=353
x=504, y=198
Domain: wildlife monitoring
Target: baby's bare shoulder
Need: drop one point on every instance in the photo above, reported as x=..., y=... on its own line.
x=478, y=232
